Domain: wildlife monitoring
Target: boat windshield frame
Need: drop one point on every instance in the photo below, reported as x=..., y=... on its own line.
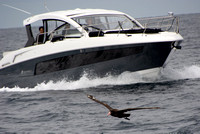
x=106, y=22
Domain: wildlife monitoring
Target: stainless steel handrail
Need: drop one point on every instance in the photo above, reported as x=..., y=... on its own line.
x=166, y=23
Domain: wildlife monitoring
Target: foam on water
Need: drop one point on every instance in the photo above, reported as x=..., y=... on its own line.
x=83, y=82
x=187, y=72
x=122, y=79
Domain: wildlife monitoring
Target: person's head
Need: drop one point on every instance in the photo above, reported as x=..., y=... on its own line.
x=67, y=26
x=89, y=21
x=41, y=29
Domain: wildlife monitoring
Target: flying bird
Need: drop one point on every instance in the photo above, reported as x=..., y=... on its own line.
x=119, y=113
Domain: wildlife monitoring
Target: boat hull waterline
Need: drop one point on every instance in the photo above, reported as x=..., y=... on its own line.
x=100, y=61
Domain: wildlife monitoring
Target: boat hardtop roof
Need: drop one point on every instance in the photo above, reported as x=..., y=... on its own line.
x=67, y=14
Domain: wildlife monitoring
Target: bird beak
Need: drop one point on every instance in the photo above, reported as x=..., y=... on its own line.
x=108, y=113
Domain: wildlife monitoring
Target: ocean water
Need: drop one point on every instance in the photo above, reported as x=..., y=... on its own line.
x=63, y=107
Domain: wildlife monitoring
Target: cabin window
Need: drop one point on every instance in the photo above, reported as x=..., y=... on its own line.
x=59, y=30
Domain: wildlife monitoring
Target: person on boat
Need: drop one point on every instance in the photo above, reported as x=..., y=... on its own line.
x=94, y=24
x=40, y=36
x=66, y=29
x=89, y=22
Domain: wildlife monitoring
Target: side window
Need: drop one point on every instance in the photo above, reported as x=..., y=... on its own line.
x=60, y=29
x=53, y=25
x=67, y=30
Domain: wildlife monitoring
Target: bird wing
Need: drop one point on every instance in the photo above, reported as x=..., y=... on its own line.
x=94, y=99
x=138, y=108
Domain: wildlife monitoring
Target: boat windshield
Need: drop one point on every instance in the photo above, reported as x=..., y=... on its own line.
x=106, y=22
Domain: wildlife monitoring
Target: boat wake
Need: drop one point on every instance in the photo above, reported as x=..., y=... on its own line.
x=187, y=72
x=126, y=78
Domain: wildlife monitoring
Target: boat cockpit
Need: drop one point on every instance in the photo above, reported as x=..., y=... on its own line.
x=54, y=30
x=77, y=25
x=87, y=25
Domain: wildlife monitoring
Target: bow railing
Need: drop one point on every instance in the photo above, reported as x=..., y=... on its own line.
x=165, y=23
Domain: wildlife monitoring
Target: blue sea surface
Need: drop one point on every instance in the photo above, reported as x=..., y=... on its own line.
x=63, y=107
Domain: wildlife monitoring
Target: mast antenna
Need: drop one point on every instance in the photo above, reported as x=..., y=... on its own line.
x=16, y=8
x=45, y=5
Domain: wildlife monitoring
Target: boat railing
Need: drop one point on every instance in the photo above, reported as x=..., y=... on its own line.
x=165, y=23
x=56, y=35
x=40, y=38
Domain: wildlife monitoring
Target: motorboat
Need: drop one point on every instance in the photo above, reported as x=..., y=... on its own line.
x=94, y=41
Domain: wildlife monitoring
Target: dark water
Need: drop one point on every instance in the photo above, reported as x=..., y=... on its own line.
x=63, y=107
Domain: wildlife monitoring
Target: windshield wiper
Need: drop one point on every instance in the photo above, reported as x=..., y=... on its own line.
x=86, y=27
x=120, y=25
x=95, y=27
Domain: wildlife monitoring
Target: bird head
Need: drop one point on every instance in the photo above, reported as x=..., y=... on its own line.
x=90, y=96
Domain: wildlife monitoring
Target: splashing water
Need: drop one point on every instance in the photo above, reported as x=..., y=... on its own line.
x=189, y=72
x=122, y=79
x=83, y=82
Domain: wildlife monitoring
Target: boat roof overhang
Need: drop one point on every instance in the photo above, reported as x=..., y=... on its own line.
x=45, y=16
x=67, y=15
